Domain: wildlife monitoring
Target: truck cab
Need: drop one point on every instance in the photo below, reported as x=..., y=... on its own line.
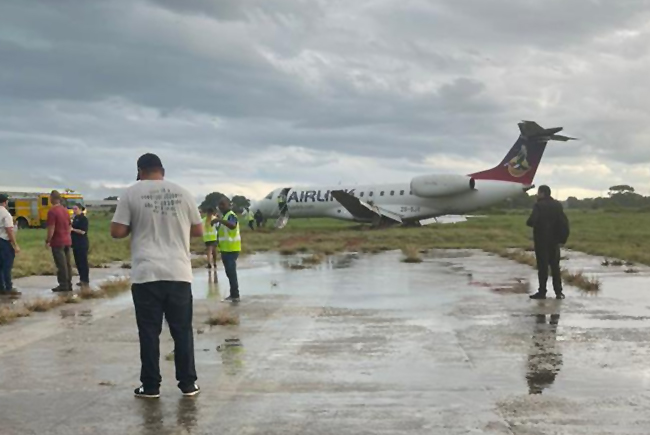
x=29, y=209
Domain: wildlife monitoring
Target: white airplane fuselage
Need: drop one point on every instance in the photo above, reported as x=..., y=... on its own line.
x=425, y=196
x=312, y=202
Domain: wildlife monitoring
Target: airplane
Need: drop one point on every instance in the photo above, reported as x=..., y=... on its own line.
x=425, y=197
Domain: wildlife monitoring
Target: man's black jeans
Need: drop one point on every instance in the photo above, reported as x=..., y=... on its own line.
x=548, y=255
x=7, y=255
x=173, y=299
x=229, y=260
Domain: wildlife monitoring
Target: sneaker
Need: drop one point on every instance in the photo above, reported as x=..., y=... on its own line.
x=231, y=299
x=147, y=394
x=190, y=391
x=61, y=289
x=559, y=295
x=538, y=295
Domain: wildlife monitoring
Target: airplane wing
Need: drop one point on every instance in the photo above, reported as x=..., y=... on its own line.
x=362, y=210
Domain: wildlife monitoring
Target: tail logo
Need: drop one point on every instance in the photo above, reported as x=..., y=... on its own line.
x=518, y=166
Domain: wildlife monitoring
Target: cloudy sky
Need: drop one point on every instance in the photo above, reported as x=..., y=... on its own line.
x=243, y=96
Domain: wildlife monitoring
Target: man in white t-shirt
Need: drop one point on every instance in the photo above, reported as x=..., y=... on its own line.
x=8, y=248
x=161, y=217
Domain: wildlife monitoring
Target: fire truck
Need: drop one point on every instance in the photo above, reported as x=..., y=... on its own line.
x=29, y=207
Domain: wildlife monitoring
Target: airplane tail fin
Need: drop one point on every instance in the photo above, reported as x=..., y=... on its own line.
x=521, y=163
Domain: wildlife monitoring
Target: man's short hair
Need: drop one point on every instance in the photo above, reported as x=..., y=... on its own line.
x=55, y=195
x=3, y=198
x=148, y=163
x=545, y=190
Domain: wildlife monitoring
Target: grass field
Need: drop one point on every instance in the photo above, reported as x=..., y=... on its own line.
x=613, y=235
x=36, y=259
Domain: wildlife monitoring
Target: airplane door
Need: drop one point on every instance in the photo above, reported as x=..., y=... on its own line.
x=283, y=206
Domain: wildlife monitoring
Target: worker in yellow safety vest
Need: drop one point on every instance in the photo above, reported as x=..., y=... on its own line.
x=230, y=246
x=251, y=218
x=210, y=238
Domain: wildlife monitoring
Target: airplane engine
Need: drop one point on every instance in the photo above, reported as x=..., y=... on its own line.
x=432, y=186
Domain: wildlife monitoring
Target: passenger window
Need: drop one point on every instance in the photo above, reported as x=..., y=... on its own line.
x=401, y=192
x=392, y=193
x=410, y=192
x=381, y=193
x=44, y=202
x=361, y=195
x=371, y=193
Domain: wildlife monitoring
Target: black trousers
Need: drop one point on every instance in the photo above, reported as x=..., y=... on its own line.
x=173, y=300
x=63, y=265
x=7, y=256
x=548, y=256
x=229, y=260
x=80, y=252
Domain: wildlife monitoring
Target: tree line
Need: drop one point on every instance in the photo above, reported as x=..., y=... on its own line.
x=621, y=196
x=239, y=202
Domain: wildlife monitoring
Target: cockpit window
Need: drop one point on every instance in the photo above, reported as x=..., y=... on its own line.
x=269, y=196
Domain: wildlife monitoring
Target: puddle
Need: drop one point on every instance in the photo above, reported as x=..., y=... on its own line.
x=342, y=261
x=544, y=357
x=187, y=414
x=213, y=290
x=518, y=287
x=232, y=356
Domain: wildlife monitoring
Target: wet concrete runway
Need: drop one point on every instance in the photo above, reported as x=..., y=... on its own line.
x=357, y=345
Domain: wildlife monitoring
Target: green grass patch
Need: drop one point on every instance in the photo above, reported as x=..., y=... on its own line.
x=619, y=235
x=411, y=254
x=580, y=280
x=223, y=317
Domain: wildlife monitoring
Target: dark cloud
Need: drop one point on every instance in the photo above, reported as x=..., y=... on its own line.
x=297, y=91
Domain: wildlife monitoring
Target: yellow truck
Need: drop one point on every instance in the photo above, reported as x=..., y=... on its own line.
x=29, y=209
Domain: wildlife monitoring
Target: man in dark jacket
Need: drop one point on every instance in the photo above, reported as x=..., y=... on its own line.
x=546, y=219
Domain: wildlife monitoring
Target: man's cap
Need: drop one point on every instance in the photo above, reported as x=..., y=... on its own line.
x=149, y=161
x=3, y=198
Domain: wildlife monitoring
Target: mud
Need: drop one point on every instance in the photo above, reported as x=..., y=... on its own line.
x=358, y=344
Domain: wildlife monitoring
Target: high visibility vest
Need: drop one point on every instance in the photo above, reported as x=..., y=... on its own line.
x=209, y=233
x=229, y=240
x=251, y=216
